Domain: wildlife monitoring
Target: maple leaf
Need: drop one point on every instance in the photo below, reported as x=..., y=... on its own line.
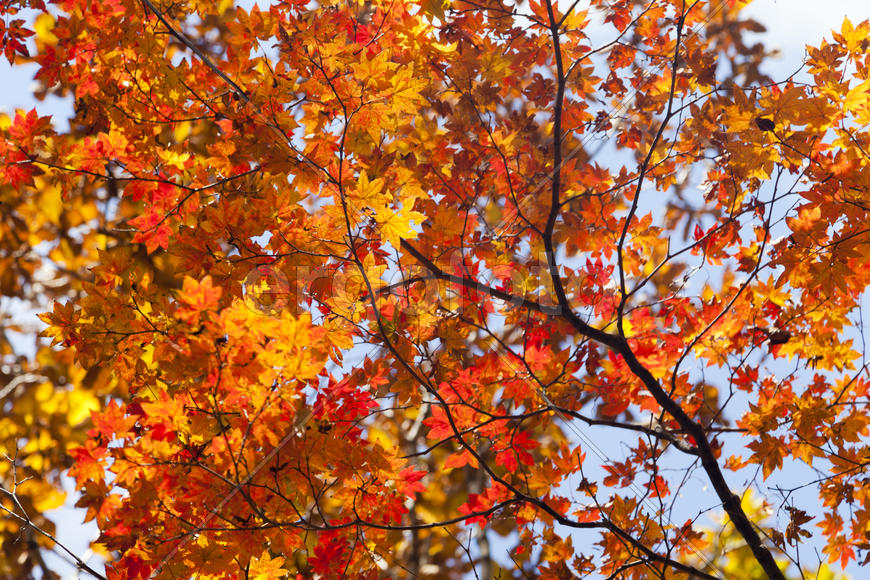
x=473, y=505
x=266, y=568
x=112, y=420
x=459, y=459
x=409, y=481
x=197, y=296
x=395, y=226
x=439, y=426
x=154, y=231
x=27, y=126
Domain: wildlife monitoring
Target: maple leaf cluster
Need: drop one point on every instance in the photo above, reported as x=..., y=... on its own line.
x=337, y=290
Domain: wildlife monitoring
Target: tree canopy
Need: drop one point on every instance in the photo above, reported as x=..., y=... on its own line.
x=433, y=288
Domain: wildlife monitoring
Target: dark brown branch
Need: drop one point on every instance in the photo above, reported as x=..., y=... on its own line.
x=27, y=523
x=479, y=286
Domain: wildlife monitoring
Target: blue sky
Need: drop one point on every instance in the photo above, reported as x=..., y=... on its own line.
x=792, y=24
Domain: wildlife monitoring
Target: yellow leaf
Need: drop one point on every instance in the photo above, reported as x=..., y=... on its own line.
x=51, y=203
x=858, y=97
x=173, y=159
x=395, y=225
x=181, y=131
x=43, y=25
x=43, y=495
x=81, y=403
x=854, y=37
x=368, y=193
x=266, y=568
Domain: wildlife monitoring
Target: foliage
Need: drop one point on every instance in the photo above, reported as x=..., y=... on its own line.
x=345, y=289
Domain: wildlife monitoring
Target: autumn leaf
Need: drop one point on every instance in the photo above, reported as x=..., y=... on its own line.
x=266, y=568
x=324, y=285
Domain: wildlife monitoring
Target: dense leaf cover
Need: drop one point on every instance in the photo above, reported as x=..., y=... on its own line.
x=423, y=288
